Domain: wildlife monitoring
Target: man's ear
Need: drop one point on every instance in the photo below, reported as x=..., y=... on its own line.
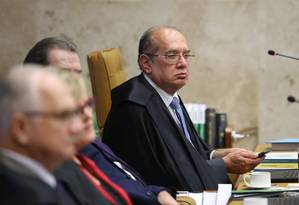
x=20, y=128
x=145, y=63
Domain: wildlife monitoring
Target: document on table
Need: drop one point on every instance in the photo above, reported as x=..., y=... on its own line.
x=209, y=197
x=197, y=197
x=224, y=193
x=220, y=197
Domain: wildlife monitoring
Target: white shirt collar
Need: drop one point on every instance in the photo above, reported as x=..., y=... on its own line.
x=35, y=166
x=164, y=95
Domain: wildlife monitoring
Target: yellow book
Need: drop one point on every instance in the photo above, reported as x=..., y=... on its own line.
x=277, y=166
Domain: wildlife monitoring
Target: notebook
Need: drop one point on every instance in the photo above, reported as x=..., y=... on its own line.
x=283, y=201
x=282, y=175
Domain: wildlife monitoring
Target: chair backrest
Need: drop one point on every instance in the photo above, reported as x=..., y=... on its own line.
x=106, y=72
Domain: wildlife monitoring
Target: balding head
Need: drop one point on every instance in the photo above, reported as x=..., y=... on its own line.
x=148, y=43
x=18, y=92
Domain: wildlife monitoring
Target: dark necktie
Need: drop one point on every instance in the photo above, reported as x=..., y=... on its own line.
x=175, y=105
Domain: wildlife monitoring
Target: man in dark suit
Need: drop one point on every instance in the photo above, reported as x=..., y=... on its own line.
x=63, y=54
x=148, y=125
x=36, y=129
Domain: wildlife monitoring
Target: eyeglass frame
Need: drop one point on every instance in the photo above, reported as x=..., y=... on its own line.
x=186, y=55
x=64, y=114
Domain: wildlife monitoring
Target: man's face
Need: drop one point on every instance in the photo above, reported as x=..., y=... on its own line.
x=50, y=138
x=169, y=76
x=64, y=59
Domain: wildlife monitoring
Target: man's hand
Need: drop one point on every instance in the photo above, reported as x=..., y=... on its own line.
x=237, y=160
x=165, y=198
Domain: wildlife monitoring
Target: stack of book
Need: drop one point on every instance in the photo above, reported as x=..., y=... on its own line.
x=283, y=166
x=209, y=124
x=215, y=126
x=285, y=144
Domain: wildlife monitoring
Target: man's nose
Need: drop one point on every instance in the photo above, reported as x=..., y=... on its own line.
x=183, y=62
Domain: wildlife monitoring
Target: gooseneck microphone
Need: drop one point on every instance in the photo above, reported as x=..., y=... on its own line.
x=273, y=53
x=292, y=99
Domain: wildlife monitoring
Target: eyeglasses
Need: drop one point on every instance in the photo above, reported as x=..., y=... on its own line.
x=173, y=58
x=72, y=70
x=89, y=103
x=60, y=115
x=63, y=115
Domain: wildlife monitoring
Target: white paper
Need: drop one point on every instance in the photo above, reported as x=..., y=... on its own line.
x=209, y=198
x=197, y=197
x=255, y=201
x=282, y=155
x=223, y=194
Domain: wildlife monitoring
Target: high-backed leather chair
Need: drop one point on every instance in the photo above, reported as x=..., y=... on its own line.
x=106, y=72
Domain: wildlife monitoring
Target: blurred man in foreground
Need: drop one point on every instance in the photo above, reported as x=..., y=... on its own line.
x=36, y=135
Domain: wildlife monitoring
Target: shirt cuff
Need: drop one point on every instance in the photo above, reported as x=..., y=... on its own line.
x=212, y=153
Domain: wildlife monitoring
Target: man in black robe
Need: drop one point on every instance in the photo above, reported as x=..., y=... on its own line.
x=147, y=131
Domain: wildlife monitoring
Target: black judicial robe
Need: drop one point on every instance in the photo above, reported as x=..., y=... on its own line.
x=141, y=130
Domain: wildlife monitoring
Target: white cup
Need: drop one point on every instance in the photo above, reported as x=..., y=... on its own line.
x=255, y=201
x=258, y=180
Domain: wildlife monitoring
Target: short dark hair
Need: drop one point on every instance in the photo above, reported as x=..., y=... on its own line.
x=146, y=44
x=38, y=54
x=6, y=93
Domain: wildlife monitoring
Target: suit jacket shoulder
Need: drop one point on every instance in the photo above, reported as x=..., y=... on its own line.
x=78, y=185
x=18, y=188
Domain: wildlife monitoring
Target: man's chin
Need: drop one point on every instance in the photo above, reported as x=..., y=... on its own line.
x=70, y=153
x=181, y=83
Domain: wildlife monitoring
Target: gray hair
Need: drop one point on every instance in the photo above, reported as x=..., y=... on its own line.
x=25, y=86
x=75, y=82
x=19, y=92
x=6, y=94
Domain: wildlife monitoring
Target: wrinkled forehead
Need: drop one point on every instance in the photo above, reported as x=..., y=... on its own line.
x=169, y=39
x=64, y=59
x=55, y=95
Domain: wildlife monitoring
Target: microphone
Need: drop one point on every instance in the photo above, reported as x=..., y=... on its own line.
x=292, y=99
x=273, y=53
